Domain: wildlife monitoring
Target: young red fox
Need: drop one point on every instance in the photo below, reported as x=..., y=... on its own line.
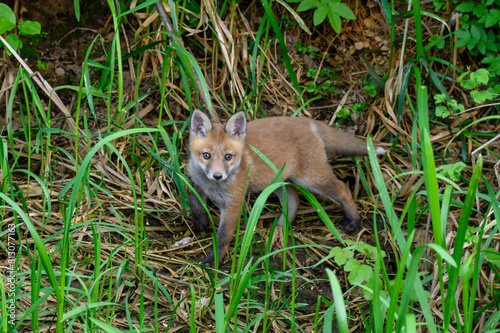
x=219, y=160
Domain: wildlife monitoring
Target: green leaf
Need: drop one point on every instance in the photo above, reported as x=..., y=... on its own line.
x=461, y=43
x=14, y=42
x=440, y=98
x=312, y=87
x=335, y=21
x=311, y=72
x=308, y=4
x=342, y=10
x=480, y=97
x=358, y=107
x=491, y=59
x=468, y=84
x=463, y=33
x=480, y=10
x=360, y=274
x=465, y=7
x=351, y=265
x=453, y=171
x=437, y=41
x=7, y=18
x=471, y=44
x=442, y=111
x=344, y=113
x=482, y=76
x=29, y=28
x=475, y=33
x=341, y=255
x=320, y=14
x=481, y=46
x=492, y=18
x=462, y=76
x=453, y=103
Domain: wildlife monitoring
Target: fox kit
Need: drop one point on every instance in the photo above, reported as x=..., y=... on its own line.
x=220, y=158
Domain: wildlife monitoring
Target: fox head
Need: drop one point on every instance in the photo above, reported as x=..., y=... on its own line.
x=216, y=149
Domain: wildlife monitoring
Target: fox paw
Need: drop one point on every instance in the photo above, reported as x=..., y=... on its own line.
x=349, y=225
x=209, y=261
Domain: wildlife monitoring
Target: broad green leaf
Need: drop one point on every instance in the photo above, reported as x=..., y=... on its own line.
x=342, y=10
x=475, y=33
x=468, y=84
x=492, y=18
x=440, y=98
x=480, y=10
x=463, y=33
x=29, y=28
x=320, y=14
x=481, y=96
x=7, y=18
x=360, y=274
x=351, y=265
x=482, y=76
x=465, y=7
x=493, y=47
x=481, y=46
x=461, y=43
x=491, y=59
x=335, y=21
x=471, y=44
x=341, y=255
x=308, y=4
x=442, y=111
x=13, y=41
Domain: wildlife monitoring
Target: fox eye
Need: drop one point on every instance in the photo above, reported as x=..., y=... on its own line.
x=228, y=157
x=206, y=156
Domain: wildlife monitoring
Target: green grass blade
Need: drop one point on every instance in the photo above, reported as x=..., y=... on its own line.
x=219, y=312
x=458, y=246
x=339, y=305
x=3, y=297
x=429, y=165
x=281, y=40
x=40, y=246
x=384, y=196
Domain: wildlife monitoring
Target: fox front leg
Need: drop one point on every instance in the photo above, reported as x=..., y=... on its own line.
x=198, y=211
x=225, y=234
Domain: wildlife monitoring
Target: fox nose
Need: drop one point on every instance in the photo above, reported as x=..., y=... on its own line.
x=217, y=176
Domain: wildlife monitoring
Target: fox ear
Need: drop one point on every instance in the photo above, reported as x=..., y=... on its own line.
x=200, y=124
x=236, y=126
